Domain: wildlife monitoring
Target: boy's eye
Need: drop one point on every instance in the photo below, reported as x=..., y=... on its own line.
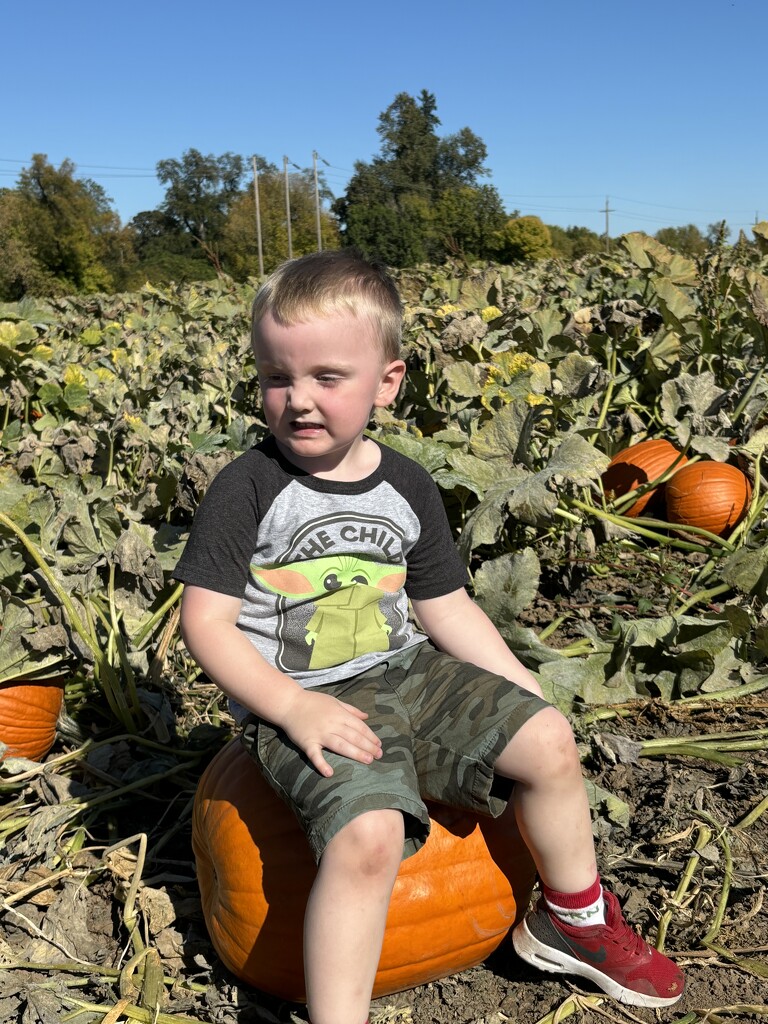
x=328, y=378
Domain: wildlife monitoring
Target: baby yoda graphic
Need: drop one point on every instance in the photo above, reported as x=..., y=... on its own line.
x=347, y=592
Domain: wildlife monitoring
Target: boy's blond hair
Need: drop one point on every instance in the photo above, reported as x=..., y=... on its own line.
x=325, y=284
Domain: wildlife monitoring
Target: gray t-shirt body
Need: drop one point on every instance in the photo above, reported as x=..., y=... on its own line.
x=324, y=568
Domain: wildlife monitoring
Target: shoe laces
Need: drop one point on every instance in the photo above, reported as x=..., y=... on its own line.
x=630, y=940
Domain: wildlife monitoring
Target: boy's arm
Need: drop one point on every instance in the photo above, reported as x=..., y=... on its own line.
x=461, y=628
x=313, y=720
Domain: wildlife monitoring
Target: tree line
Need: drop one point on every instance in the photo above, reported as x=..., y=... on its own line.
x=420, y=199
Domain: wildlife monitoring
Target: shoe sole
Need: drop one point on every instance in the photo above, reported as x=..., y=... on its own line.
x=555, y=961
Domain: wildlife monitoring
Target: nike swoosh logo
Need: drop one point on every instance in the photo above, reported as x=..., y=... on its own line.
x=594, y=956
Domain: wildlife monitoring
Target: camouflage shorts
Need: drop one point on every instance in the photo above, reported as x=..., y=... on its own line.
x=442, y=724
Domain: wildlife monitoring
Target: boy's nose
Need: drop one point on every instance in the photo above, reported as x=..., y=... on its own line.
x=298, y=398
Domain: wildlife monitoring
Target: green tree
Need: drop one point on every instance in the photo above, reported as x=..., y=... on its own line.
x=165, y=251
x=465, y=218
x=401, y=206
x=573, y=242
x=59, y=234
x=524, y=238
x=687, y=240
x=239, y=244
x=200, y=191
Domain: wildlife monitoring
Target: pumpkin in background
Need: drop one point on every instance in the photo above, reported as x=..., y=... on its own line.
x=29, y=712
x=640, y=464
x=453, y=903
x=712, y=495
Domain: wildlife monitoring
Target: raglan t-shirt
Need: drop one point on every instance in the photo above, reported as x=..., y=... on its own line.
x=324, y=568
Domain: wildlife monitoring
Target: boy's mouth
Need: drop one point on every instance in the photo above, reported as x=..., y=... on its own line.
x=301, y=426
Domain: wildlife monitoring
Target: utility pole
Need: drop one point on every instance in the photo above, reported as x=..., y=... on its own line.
x=606, y=211
x=258, y=217
x=317, y=203
x=287, y=207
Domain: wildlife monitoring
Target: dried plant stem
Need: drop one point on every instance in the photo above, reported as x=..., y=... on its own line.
x=703, y=837
x=725, y=846
x=84, y=967
x=127, y=1009
x=150, y=624
x=702, y=597
x=690, y=749
x=42, y=883
x=573, y=1004
x=637, y=526
x=754, y=814
x=732, y=693
x=130, y=917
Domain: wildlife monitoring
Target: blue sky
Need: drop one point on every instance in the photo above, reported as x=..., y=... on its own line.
x=659, y=106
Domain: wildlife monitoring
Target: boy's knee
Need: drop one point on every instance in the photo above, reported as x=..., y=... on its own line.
x=371, y=844
x=544, y=747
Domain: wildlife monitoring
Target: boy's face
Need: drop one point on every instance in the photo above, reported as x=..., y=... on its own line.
x=319, y=382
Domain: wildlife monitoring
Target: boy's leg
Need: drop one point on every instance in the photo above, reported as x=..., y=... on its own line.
x=346, y=914
x=576, y=928
x=551, y=801
x=473, y=727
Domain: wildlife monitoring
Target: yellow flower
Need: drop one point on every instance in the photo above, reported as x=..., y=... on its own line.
x=490, y=313
x=512, y=364
x=132, y=421
x=532, y=399
x=446, y=309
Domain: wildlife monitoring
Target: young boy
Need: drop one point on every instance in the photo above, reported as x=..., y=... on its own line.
x=298, y=574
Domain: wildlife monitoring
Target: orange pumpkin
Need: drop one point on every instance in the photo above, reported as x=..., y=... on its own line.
x=453, y=902
x=712, y=495
x=640, y=464
x=29, y=712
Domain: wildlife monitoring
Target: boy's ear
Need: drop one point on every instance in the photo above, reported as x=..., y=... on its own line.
x=391, y=379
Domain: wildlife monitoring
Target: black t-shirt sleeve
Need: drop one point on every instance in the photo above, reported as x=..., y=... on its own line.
x=435, y=567
x=223, y=535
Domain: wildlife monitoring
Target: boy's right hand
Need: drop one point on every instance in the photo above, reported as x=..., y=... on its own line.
x=316, y=721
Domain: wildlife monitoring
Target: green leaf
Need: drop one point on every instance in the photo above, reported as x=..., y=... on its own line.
x=478, y=474
x=567, y=679
x=747, y=571
x=577, y=374
x=206, y=444
x=499, y=437
x=463, y=378
x=76, y=396
x=758, y=442
x=484, y=524
x=676, y=306
x=640, y=246
x=428, y=453
x=760, y=231
x=602, y=800
x=577, y=460
x=20, y=659
x=549, y=322
x=507, y=585
x=531, y=501
x=715, y=448
x=49, y=393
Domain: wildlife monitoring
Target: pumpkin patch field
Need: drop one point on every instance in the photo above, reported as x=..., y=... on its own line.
x=598, y=431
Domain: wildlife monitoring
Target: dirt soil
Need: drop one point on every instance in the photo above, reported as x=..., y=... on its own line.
x=62, y=930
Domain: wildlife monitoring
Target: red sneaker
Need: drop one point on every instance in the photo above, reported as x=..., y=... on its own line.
x=611, y=955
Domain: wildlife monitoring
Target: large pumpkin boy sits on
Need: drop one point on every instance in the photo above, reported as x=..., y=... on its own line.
x=299, y=569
